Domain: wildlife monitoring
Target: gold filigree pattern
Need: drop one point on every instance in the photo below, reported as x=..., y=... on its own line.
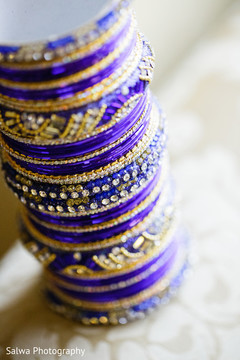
x=78, y=76
x=147, y=68
x=55, y=129
x=120, y=257
x=43, y=255
x=93, y=93
x=108, y=169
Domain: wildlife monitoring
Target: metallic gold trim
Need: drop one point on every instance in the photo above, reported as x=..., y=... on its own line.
x=90, y=94
x=94, y=174
x=87, y=156
x=52, y=277
x=108, y=224
x=74, y=78
x=59, y=141
x=133, y=300
x=73, y=55
x=118, y=239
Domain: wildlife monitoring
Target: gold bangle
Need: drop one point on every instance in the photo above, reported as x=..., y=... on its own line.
x=101, y=306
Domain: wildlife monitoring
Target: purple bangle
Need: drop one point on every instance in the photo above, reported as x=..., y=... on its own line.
x=65, y=69
x=125, y=292
x=94, y=235
x=124, y=277
x=104, y=215
x=70, y=90
x=79, y=148
x=93, y=163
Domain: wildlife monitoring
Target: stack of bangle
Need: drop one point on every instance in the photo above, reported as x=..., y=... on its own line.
x=84, y=150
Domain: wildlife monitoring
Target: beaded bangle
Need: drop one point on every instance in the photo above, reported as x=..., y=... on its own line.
x=110, y=168
x=118, y=189
x=114, y=285
x=90, y=246
x=108, y=224
x=72, y=132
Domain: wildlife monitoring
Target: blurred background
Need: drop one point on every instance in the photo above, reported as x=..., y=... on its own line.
x=173, y=27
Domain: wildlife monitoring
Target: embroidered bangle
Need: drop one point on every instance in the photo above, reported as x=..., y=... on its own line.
x=116, y=258
x=113, y=264
x=113, y=286
x=106, y=170
x=13, y=124
x=121, y=183
x=108, y=224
